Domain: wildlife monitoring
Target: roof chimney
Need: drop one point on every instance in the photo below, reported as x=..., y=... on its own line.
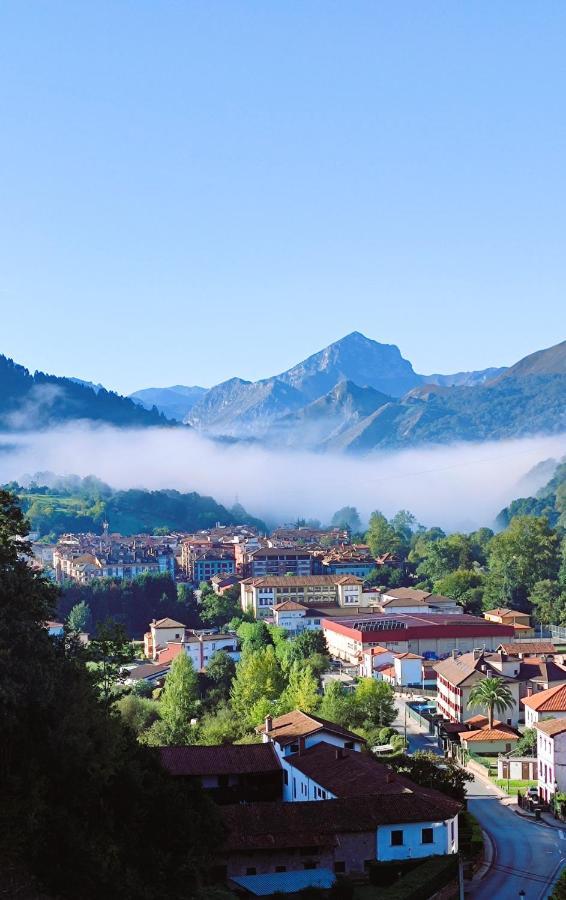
x=454, y=654
x=268, y=723
x=477, y=653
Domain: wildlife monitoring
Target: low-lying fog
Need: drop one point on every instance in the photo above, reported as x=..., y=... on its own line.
x=460, y=486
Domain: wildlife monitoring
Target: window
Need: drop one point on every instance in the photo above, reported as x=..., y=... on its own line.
x=339, y=866
x=427, y=836
x=280, y=868
x=285, y=776
x=251, y=870
x=294, y=748
x=349, y=745
x=397, y=838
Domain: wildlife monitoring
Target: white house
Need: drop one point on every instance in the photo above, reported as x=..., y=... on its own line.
x=200, y=648
x=295, y=617
x=297, y=730
x=551, y=753
x=544, y=704
x=406, y=670
x=414, y=827
x=161, y=633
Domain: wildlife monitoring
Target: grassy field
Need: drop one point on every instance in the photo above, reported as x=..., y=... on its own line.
x=513, y=786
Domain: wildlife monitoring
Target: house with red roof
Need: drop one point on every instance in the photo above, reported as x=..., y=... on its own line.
x=551, y=754
x=543, y=704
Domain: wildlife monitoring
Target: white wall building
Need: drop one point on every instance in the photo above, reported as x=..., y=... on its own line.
x=551, y=754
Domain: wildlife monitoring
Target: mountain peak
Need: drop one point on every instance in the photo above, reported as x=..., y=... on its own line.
x=355, y=358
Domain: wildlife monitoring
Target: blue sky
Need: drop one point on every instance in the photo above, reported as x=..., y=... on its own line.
x=191, y=191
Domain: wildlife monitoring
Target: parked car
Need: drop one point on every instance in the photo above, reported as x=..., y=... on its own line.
x=532, y=794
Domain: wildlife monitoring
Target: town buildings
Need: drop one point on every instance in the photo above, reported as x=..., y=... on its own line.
x=521, y=622
x=457, y=675
x=338, y=810
x=428, y=635
x=278, y=561
x=167, y=638
x=411, y=600
x=261, y=595
x=82, y=558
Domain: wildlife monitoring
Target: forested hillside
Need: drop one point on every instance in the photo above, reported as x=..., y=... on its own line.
x=74, y=504
x=39, y=400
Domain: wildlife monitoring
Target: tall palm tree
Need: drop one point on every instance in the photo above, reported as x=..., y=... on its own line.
x=490, y=694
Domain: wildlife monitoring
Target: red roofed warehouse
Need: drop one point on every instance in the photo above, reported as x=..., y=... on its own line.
x=425, y=635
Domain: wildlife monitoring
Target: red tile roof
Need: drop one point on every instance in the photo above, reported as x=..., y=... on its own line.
x=265, y=826
x=348, y=773
x=551, y=700
x=222, y=759
x=497, y=733
x=286, y=729
x=551, y=726
x=527, y=648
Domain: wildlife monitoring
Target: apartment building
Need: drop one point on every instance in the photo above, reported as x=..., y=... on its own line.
x=85, y=560
x=278, y=561
x=261, y=595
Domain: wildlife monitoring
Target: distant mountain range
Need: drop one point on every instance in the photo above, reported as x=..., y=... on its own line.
x=355, y=396
x=358, y=395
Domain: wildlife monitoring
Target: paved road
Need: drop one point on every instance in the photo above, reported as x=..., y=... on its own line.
x=527, y=856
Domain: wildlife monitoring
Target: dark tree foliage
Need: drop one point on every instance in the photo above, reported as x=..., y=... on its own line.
x=432, y=771
x=82, y=801
x=39, y=400
x=131, y=603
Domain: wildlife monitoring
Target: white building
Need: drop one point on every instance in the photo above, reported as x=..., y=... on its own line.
x=321, y=761
x=551, y=753
x=200, y=648
x=544, y=704
x=260, y=595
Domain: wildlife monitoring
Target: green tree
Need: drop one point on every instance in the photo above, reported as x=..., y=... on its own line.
x=374, y=703
x=444, y=556
x=217, y=609
x=548, y=601
x=220, y=727
x=302, y=689
x=257, y=685
x=336, y=704
x=491, y=694
x=527, y=743
x=218, y=679
x=464, y=585
x=254, y=635
x=138, y=713
x=431, y=771
x=179, y=701
x=526, y=552
x=79, y=618
x=381, y=536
